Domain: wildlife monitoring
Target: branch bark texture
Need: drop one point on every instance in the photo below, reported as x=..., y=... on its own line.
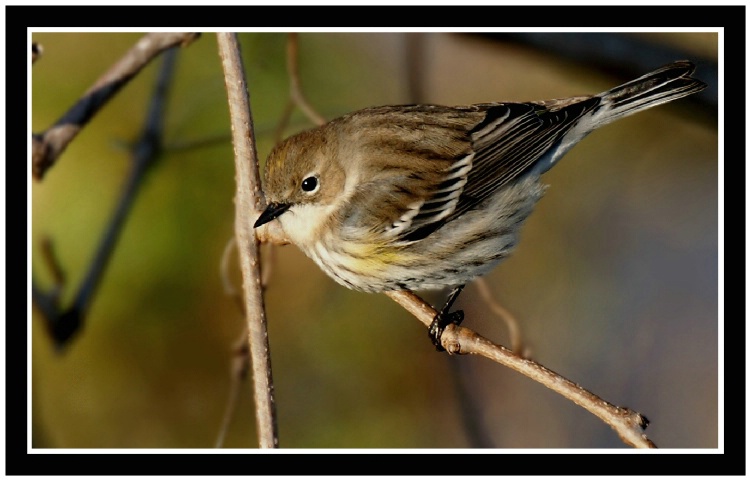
x=628, y=424
x=249, y=202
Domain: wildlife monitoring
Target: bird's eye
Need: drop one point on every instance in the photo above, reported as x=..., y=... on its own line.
x=310, y=184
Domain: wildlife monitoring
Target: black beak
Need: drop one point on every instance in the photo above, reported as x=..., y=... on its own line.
x=272, y=211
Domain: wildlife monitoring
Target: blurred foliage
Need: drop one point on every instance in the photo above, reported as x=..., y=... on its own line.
x=615, y=281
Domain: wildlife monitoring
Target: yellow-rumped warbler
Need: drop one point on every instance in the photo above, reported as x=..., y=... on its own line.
x=424, y=196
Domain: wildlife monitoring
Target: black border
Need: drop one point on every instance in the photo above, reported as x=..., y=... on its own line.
x=19, y=18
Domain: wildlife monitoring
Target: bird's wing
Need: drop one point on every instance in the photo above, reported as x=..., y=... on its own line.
x=453, y=163
x=511, y=139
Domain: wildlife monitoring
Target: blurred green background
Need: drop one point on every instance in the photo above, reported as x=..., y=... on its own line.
x=615, y=281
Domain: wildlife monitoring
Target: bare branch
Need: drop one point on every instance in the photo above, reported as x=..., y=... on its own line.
x=269, y=234
x=48, y=302
x=286, y=115
x=628, y=424
x=146, y=150
x=267, y=267
x=226, y=282
x=294, y=83
x=249, y=202
x=48, y=145
x=53, y=264
x=514, y=331
x=240, y=366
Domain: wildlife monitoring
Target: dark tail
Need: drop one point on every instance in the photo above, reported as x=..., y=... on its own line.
x=668, y=83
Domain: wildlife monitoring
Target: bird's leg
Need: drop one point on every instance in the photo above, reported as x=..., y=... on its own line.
x=445, y=318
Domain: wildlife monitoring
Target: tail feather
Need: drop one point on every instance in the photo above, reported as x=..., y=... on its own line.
x=666, y=84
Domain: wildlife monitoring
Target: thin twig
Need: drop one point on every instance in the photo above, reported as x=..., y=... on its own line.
x=65, y=324
x=249, y=202
x=628, y=424
x=48, y=145
x=47, y=302
x=240, y=367
x=267, y=267
x=514, y=331
x=53, y=264
x=226, y=281
x=294, y=82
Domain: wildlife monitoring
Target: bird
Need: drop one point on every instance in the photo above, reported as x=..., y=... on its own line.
x=425, y=197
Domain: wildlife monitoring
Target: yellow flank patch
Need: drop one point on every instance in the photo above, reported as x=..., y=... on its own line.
x=371, y=257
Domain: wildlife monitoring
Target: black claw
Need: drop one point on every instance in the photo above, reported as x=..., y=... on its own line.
x=435, y=332
x=445, y=318
x=439, y=323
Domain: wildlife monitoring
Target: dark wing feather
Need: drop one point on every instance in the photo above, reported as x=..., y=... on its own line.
x=453, y=161
x=511, y=139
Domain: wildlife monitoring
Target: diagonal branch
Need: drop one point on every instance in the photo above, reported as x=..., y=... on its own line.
x=64, y=324
x=48, y=145
x=628, y=424
x=295, y=88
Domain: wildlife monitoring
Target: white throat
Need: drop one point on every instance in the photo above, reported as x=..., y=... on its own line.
x=304, y=224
